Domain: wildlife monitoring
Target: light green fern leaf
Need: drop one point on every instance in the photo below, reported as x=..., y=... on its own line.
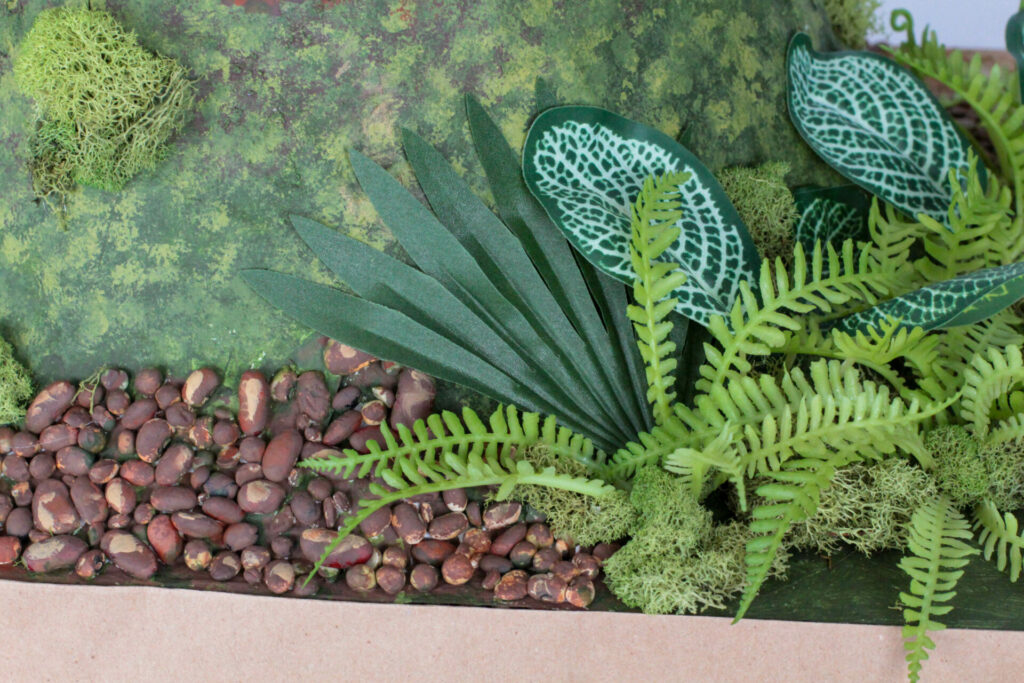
x=443, y=453
x=938, y=543
x=656, y=213
x=999, y=535
x=990, y=377
x=899, y=148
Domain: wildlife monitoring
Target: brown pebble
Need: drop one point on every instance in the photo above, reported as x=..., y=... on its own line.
x=407, y=523
x=345, y=398
x=24, y=445
x=522, y=554
x=48, y=405
x=198, y=386
x=6, y=505
x=341, y=359
x=21, y=493
x=147, y=381
x=253, y=402
x=457, y=570
x=117, y=402
x=251, y=449
x=151, y=439
x=198, y=525
x=76, y=417
x=223, y=509
x=282, y=384
x=119, y=521
x=513, y=586
x=342, y=503
x=89, y=501
x=279, y=576
x=129, y=554
x=103, y=418
x=19, y=522
x=478, y=540
x=137, y=473
x=225, y=566
x=260, y=497
x=90, y=564
x=252, y=576
x=581, y=592
x=197, y=555
x=376, y=523
x=495, y=563
x=41, y=466
x=305, y=509
x=139, y=413
x=173, y=465
x=432, y=551
x=74, y=461
x=52, y=509
x=320, y=488
x=16, y=468
x=351, y=551
x=360, y=578
x=198, y=477
x=165, y=539
x=546, y=588
x=390, y=579
x=312, y=396
x=602, y=551
x=423, y=577
x=507, y=539
x=449, y=526
x=54, y=553
x=565, y=570
x=455, y=500
x=103, y=471
x=342, y=427
x=201, y=432
x=10, y=550
x=373, y=412
x=58, y=436
x=502, y=515
x=37, y=535
x=491, y=580
x=255, y=557
x=395, y=556
x=114, y=378
x=225, y=433
x=414, y=398
x=6, y=440
x=363, y=436
x=281, y=455
x=306, y=587
x=281, y=522
x=221, y=485
x=172, y=498
x=92, y=439
x=180, y=416
x=281, y=547
x=144, y=513
x=540, y=535
x=240, y=535
x=124, y=443
x=587, y=565
x=545, y=558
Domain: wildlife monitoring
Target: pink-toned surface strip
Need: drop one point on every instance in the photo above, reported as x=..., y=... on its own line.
x=52, y=632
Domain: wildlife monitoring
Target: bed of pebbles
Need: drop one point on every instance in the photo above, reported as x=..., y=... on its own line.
x=158, y=472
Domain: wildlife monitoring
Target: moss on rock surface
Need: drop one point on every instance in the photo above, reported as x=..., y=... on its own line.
x=149, y=275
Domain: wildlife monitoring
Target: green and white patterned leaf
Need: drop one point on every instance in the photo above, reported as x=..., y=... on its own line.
x=964, y=300
x=1015, y=45
x=876, y=124
x=831, y=214
x=586, y=166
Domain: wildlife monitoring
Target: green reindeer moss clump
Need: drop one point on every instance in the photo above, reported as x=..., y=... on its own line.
x=106, y=105
x=15, y=386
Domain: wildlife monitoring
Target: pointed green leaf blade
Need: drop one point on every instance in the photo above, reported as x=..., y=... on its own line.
x=831, y=214
x=586, y=166
x=875, y=123
x=1015, y=45
x=964, y=300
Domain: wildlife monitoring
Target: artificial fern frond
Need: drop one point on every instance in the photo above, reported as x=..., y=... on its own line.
x=791, y=497
x=990, y=95
x=442, y=453
x=693, y=465
x=990, y=377
x=760, y=324
x=892, y=235
x=832, y=409
x=999, y=534
x=939, y=551
x=980, y=232
x=655, y=214
x=650, y=448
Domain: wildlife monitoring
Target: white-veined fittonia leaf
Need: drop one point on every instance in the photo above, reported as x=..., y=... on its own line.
x=877, y=124
x=586, y=166
x=831, y=214
x=1015, y=45
x=964, y=300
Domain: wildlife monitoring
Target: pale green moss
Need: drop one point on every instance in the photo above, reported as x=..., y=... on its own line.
x=678, y=560
x=959, y=470
x=584, y=519
x=15, y=386
x=765, y=204
x=1005, y=465
x=852, y=20
x=106, y=106
x=867, y=506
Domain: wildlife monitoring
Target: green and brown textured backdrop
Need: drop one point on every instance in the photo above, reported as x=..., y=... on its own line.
x=149, y=275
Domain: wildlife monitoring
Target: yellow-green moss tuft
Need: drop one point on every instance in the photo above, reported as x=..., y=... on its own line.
x=585, y=519
x=959, y=469
x=868, y=506
x=1005, y=465
x=106, y=105
x=852, y=20
x=765, y=204
x=15, y=386
x=678, y=560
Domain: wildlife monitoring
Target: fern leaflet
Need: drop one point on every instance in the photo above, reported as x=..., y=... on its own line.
x=989, y=378
x=999, y=534
x=655, y=214
x=938, y=543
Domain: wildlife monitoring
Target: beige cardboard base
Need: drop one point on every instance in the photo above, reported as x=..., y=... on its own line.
x=52, y=632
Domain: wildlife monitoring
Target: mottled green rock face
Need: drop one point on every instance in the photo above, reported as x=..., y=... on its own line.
x=149, y=275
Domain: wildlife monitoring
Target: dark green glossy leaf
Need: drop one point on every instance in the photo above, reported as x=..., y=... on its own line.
x=1015, y=45
x=831, y=214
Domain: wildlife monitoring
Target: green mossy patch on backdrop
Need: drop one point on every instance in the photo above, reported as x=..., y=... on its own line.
x=149, y=275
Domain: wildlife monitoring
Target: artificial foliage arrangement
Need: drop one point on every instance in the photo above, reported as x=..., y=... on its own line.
x=106, y=106
x=873, y=352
